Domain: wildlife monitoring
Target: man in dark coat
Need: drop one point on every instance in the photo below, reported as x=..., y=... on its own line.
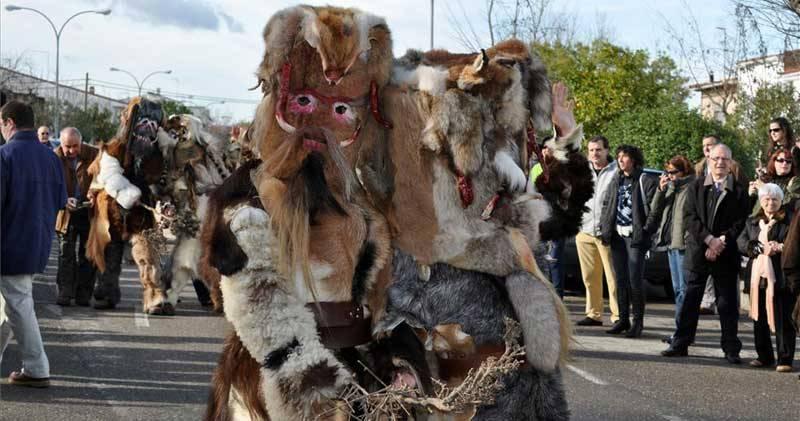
x=75, y=277
x=31, y=192
x=715, y=213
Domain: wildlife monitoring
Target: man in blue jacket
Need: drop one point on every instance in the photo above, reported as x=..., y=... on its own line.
x=32, y=190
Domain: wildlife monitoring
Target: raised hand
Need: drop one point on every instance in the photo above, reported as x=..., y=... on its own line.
x=563, y=117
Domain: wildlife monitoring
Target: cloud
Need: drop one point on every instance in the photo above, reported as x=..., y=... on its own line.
x=185, y=14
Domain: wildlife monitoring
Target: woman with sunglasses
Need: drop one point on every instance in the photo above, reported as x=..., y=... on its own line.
x=781, y=135
x=781, y=170
x=667, y=214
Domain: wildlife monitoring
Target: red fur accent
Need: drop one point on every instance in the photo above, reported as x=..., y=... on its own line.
x=374, y=105
x=464, y=184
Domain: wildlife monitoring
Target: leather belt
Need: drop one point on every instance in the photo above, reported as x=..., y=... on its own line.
x=457, y=366
x=341, y=324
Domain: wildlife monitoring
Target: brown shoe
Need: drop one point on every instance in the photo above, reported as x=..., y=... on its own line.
x=19, y=378
x=783, y=368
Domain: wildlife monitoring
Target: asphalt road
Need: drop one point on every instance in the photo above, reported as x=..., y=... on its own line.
x=123, y=365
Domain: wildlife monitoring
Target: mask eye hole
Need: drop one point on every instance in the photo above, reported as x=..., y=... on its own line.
x=303, y=104
x=343, y=113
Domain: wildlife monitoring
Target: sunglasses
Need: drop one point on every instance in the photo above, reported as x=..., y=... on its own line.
x=783, y=161
x=775, y=130
x=673, y=172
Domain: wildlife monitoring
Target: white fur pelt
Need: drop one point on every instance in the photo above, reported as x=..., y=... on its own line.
x=111, y=179
x=297, y=372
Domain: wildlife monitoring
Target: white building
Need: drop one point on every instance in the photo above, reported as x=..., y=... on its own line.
x=751, y=74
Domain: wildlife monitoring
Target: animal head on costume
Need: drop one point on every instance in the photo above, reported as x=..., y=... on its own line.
x=323, y=68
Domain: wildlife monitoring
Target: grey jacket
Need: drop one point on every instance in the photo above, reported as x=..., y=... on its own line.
x=602, y=181
x=666, y=213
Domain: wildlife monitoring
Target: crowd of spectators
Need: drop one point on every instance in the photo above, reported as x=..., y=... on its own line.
x=711, y=221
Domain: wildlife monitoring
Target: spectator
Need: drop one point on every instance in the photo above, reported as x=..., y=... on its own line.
x=44, y=135
x=781, y=170
x=701, y=170
x=780, y=134
x=549, y=255
x=771, y=301
x=623, y=225
x=715, y=213
x=75, y=278
x=667, y=213
x=594, y=257
x=31, y=192
x=791, y=264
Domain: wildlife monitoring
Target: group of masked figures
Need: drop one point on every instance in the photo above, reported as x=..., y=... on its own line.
x=382, y=233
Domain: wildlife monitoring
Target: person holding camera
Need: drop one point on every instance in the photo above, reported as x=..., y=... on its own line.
x=75, y=278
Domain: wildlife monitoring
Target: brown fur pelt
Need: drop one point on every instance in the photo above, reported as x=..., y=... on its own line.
x=236, y=371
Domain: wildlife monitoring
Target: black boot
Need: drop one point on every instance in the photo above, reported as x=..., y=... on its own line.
x=636, y=329
x=619, y=326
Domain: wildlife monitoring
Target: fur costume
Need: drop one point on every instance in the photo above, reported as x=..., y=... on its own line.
x=317, y=241
x=123, y=172
x=195, y=164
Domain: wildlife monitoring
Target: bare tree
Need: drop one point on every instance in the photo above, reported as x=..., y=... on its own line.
x=781, y=16
x=531, y=20
x=717, y=66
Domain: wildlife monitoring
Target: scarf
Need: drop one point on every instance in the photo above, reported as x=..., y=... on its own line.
x=762, y=268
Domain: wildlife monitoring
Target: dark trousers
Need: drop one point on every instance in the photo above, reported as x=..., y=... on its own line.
x=75, y=277
x=555, y=263
x=629, y=267
x=785, y=338
x=107, y=287
x=725, y=286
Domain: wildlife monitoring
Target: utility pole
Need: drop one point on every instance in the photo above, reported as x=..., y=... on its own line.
x=431, y=24
x=86, y=92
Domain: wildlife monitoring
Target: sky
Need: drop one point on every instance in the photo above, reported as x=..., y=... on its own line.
x=213, y=47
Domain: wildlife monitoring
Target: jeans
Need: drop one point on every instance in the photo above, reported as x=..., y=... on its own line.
x=675, y=257
x=556, y=256
x=629, y=267
x=18, y=317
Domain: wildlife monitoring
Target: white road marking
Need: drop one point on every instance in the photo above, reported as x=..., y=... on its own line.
x=139, y=318
x=672, y=418
x=586, y=375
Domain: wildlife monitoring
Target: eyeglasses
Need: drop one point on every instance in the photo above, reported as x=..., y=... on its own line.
x=783, y=161
x=673, y=172
x=45, y=133
x=776, y=130
x=719, y=159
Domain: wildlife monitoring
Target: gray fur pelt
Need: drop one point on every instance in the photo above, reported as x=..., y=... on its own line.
x=479, y=303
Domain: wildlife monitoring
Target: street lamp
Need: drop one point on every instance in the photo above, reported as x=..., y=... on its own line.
x=166, y=72
x=57, y=32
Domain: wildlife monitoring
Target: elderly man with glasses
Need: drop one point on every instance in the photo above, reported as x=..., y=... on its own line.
x=715, y=213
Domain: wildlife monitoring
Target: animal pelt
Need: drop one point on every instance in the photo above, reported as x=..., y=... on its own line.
x=350, y=46
x=477, y=304
x=326, y=67
x=568, y=186
x=435, y=225
x=315, y=216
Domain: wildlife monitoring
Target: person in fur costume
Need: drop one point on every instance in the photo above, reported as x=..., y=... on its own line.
x=298, y=245
x=123, y=172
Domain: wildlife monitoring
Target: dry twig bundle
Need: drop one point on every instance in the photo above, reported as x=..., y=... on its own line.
x=479, y=387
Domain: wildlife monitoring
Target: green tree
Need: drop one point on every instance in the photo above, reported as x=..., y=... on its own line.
x=753, y=114
x=174, y=107
x=608, y=80
x=669, y=130
x=94, y=124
